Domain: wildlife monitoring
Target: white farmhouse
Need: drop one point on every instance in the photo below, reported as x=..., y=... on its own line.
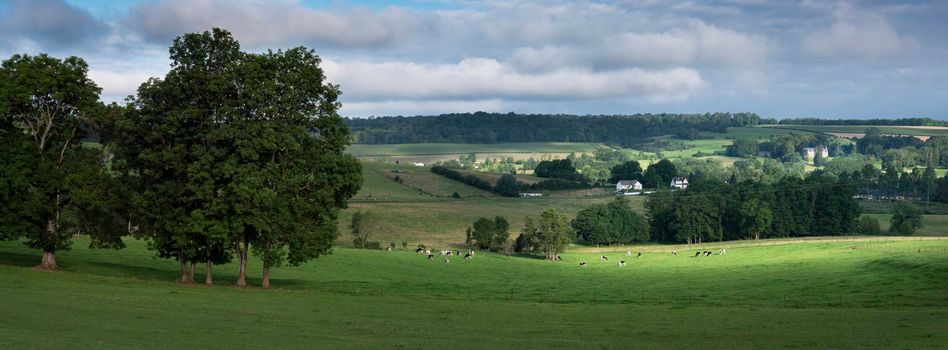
x=679, y=182
x=626, y=185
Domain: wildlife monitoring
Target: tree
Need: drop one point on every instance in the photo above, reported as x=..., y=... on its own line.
x=868, y=226
x=507, y=185
x=906, y=218
x=490, y=234
x=818, y=158
x=742, y=148
x=361, y=225
x=756, y=216
x=630, y=170
x=696, y=219
x=610, y=223
x=928, y=182
x=550, y=235
x=664, y=170
x=47, y=106
x=235, y=151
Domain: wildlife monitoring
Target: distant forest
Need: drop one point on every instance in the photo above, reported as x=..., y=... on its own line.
x=481, y=127
x=878, y=122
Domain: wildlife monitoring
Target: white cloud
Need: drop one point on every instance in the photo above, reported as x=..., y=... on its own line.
x=697, y=43
x=858, y=34
x=265, y=24
x=481, y=78
x=118, y=84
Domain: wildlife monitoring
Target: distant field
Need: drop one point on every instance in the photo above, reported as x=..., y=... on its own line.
x=444, y=221
x=879, y=294
x=933, y=225
x=408, y=149
x=861, y=129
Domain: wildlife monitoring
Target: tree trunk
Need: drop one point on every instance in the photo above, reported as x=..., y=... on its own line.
x=208, y=278
x=242, y=264
x=757, y=235
x=191, y=273
x=49, y=261
x=49, y=256
x=186, y=277
x=266, y=275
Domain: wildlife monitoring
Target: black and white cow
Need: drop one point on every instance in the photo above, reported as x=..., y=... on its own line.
x=603, y=258
x=621, y=263
x=582, y=264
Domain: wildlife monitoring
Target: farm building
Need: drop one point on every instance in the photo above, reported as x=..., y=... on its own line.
x=626, y=185
x=679, y=182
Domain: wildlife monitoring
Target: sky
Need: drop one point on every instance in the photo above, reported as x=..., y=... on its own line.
x=777, y=58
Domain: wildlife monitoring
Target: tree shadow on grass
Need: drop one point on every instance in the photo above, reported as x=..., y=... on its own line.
x=20, y=259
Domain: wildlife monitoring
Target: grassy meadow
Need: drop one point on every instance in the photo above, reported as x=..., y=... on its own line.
x=783, y=293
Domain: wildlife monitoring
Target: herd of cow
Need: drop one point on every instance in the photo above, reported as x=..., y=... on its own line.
x=639, y=255
x=447, y=254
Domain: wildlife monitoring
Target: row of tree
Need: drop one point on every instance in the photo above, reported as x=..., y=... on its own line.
x=481, y=127
x=230, y=153
x=710, y=211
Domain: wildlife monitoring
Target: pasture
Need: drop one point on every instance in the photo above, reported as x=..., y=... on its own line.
x=881, y=293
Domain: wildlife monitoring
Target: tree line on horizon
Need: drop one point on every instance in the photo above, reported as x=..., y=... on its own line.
x=487, y=128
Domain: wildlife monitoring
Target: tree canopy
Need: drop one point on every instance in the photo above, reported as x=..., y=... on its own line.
x=47, y=106
x=234, y=150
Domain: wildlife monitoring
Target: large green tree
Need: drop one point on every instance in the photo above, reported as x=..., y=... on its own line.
x=237, y=152
x=756, y=216
x=611, y=223
x=47, y=106
x=549, y=236
x=491, y=234
x=630, y=170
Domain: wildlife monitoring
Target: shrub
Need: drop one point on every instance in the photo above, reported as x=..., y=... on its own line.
x=868, y=226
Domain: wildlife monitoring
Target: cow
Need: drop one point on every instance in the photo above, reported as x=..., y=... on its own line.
x=603, y=258
x=447, y=260
x=467, y=256
x=675, y=252
x=697, y=254
x=722, y=251
x=419, y=250
x=707, y=253
x=430, y=256
x=628, y=253
x=582, y=264
x=621, y=263
x=639, y=256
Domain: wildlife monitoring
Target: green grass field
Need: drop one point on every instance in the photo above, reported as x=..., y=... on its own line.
x=786, y=293
x=932, y=225
x=421, y=209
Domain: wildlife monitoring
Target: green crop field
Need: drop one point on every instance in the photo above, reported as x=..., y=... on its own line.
x=786, y=293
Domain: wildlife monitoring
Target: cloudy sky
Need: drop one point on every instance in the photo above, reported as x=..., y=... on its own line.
x=778, y=58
